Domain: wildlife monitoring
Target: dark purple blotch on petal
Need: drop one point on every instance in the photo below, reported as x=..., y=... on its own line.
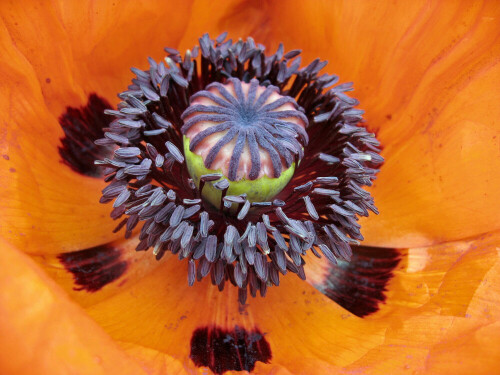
x=359, y=285
x=229, y=350
x=82, y=126
x=95, y=267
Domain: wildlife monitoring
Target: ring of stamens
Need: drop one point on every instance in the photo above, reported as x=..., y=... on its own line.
x=316, y=212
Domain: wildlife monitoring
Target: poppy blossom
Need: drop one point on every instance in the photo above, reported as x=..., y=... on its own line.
x=422, y=297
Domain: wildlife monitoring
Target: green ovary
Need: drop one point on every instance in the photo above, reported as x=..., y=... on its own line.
x=259, y=190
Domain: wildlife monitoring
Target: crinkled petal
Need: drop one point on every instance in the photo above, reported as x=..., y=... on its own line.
x=430, y=87
x=53, y=57
x=43, y=332
x=437, y=294
x=427, y=76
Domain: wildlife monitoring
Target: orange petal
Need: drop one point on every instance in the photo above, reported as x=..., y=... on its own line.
x=437, y=294
x=442, y=148
x=164, y=313
x=448, y=193
x=155, y=361
x=44, y=333
x=443, y=306
x=427, y=76
x=53, y=58
x=429, y=85
x=456, y=292
x=472, y=349
x=49, y=207
x=86, y=47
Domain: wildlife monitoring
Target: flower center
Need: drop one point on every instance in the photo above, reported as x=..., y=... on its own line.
x=246, y=132
x=240, y=163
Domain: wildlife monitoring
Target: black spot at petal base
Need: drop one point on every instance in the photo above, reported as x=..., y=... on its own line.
x=81, y=127
x=95, y=267
x=359, y=285
x=228, y=350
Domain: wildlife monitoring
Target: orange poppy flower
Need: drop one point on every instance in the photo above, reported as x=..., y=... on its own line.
x=421, y=295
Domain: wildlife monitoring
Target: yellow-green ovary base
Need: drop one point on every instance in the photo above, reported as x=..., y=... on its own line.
x=260, y=190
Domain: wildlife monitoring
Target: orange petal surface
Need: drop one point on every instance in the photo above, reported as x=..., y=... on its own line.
x=54, y=56
x=43, y=332
x=437, y=294
x=429, y=85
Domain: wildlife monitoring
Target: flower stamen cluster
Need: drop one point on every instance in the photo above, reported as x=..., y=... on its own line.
x=246, y=242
